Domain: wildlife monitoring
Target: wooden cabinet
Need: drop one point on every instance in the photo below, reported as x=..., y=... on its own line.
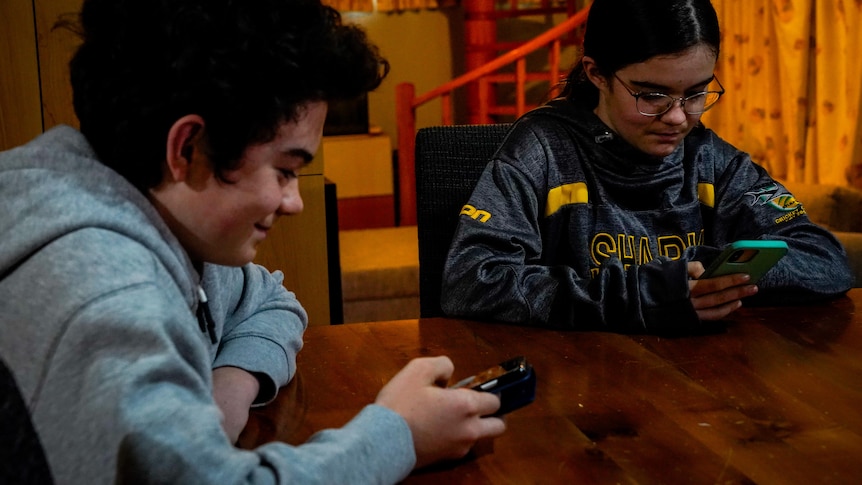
x=297, y=246
x=35, y=95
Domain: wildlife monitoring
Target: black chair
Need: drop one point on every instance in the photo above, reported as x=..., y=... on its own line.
x=22, y=459
x=449, y=161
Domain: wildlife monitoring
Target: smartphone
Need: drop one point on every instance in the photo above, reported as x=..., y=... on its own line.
x=513, y=380
x=753, y=257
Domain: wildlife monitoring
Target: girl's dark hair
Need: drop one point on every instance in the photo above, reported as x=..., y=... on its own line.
x=624, y=32
x=245, y=66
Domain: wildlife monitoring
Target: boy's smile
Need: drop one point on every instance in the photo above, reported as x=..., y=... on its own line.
x=224, y=221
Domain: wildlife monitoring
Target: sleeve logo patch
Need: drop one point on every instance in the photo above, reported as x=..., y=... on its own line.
x=773, y=196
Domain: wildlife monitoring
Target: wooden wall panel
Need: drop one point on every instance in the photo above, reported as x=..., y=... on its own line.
x=56, y=47
x=20, y=113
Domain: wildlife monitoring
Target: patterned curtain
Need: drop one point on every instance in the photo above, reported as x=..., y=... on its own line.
x=387, y=5
x=793, y=81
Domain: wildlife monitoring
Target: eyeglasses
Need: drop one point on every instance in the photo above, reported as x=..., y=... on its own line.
x=657, y=104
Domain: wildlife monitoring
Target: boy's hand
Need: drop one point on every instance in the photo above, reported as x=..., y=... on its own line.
x=445, y=423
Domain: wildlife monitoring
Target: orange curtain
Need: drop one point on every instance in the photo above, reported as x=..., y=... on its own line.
x=793, y=83
x=387, y=5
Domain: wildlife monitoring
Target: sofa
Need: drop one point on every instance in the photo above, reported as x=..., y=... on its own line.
x=838, y=209
x=380, y=267
x=379, y=274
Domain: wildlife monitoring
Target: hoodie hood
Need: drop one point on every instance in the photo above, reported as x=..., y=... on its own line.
x=54, y=186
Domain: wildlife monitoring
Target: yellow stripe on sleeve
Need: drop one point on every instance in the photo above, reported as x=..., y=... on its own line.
x=706, y=194
x=575, y=193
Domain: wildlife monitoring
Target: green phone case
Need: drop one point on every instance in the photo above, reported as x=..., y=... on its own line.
x=754, y=257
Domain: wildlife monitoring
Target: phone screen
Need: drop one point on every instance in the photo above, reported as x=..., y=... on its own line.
x=484, y=376
x=518, y=366
x=513, y=380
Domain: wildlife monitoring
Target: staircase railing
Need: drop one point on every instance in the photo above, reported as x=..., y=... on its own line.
x=406, y=102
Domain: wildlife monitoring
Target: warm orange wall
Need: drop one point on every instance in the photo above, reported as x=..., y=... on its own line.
x=419, y=47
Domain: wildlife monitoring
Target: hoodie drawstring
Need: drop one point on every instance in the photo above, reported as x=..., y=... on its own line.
x=205, y=318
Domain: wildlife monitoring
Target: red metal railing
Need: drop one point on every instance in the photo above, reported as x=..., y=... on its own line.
x=406, y=101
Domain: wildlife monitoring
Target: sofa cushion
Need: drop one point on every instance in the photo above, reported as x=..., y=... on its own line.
x=398, y=308
x=838, y=209
x=379, y=263
x=835, y=207
x=852, y=242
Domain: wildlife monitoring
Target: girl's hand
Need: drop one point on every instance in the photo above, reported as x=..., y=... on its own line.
x=716, y=298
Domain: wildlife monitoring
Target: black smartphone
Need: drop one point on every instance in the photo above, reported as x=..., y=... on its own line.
x=513, y=380
x=752, y=257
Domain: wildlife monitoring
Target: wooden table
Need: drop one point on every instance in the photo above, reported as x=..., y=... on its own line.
x=775, y=396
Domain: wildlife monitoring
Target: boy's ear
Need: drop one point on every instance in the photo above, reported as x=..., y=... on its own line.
x=183, y=139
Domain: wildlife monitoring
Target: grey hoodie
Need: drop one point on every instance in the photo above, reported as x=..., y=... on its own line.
x=99, y=322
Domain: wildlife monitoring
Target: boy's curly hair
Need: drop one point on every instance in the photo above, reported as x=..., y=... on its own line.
x=244, y=66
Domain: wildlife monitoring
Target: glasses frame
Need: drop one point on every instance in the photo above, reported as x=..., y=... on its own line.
x=637, y=95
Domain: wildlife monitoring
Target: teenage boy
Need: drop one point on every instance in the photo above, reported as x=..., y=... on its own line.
x=136, y=326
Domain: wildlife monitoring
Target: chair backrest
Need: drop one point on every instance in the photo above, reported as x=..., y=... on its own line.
x=449, y=161
x=22, y=458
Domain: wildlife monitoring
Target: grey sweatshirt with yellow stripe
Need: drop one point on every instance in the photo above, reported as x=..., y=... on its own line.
x=572, y=227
